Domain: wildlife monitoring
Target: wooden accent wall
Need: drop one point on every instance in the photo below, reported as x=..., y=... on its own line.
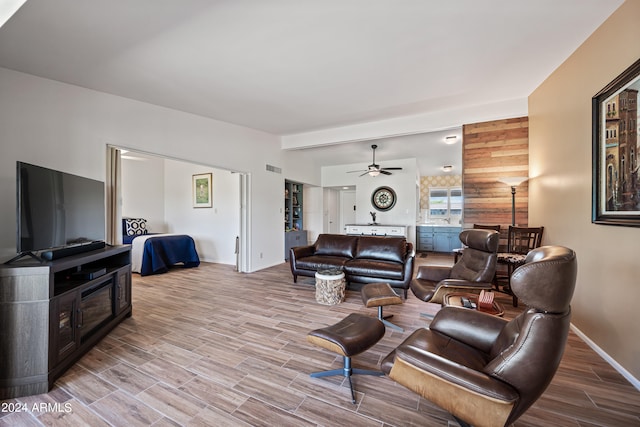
x=490, y=151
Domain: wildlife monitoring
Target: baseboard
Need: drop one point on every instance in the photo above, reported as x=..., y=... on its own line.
x=611, y=361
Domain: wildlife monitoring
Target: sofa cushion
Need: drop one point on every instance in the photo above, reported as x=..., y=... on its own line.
x=382, y=248
x=320, y=262
x=375, y=268
x=336, y=245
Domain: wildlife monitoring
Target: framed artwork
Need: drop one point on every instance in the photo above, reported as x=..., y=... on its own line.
x=202, y=190
x=615, y=169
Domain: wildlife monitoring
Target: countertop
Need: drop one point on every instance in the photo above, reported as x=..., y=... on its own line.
x=376, y=224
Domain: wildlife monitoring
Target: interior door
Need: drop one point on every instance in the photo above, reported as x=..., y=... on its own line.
x=347, y=208
x=331, y=216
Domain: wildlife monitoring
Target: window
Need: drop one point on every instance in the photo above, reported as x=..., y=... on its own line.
x=445, y=203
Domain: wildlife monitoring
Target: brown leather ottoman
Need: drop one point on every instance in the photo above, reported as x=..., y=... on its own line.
x=351, y=336
x=380, y=295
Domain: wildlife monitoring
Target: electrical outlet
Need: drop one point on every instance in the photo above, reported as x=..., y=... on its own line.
x=260, y=255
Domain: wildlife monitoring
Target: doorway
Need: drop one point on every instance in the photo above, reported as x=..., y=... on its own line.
x=221, y=231
x=347, y=208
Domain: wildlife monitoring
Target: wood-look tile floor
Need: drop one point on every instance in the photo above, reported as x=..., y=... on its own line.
x=212, y=347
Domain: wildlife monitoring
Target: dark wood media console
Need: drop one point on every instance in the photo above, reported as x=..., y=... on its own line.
x=52, y=313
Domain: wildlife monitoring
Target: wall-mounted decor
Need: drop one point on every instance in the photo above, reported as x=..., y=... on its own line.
x=202, y=195
x=383, y=198
x=616, y=185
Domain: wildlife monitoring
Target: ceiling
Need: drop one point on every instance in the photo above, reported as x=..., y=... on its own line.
x=291, y=67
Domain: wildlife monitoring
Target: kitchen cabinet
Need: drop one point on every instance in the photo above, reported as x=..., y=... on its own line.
x=437, y=238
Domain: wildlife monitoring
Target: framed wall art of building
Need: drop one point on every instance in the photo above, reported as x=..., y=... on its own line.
x=616, y=167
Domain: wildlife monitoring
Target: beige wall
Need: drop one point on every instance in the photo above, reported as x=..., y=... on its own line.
x=605, y=305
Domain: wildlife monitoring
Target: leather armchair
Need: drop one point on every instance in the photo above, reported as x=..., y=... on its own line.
x=485, y=370
x=473, y=272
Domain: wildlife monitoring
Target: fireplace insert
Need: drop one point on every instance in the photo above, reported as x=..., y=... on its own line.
x=96, y=306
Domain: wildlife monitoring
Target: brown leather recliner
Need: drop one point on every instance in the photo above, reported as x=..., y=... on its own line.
x=485, y=370
x=473, y=272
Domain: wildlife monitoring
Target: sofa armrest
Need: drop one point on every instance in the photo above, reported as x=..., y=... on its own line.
x=410, y=251
x=433, y=273
x=455, y=322
x=461, y=285
x=302, y=251
x=409, y=263
x=296, y=253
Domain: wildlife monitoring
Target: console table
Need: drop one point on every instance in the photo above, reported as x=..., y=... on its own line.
x=52, y=313
x=376, y=230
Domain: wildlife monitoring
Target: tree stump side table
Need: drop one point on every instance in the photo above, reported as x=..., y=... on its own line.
x=330, y=287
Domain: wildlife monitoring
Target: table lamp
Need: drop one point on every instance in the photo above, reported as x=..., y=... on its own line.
x=513, y=182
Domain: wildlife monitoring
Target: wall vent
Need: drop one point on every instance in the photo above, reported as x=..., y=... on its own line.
x=275, y=169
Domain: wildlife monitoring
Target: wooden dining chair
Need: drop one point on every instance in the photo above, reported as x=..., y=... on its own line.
x=520, y=240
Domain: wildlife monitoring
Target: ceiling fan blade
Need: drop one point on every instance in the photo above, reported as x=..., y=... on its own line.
x=366, y=173
x=391, y=169
x=361, y=170
x=382, y=171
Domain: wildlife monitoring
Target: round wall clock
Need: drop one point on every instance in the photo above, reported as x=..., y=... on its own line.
x=383, y=198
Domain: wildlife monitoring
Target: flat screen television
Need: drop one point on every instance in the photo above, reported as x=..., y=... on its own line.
x=57, y=209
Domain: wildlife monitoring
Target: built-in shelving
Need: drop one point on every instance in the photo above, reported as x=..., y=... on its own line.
x=293, y=217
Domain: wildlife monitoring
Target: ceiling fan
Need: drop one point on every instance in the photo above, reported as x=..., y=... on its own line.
x=374, y=169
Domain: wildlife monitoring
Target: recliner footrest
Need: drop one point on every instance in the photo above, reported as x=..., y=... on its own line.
x=352, y=335
x=380, y=295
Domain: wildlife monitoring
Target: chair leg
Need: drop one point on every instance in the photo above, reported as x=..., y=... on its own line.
x=347, y=371
x=384, y=320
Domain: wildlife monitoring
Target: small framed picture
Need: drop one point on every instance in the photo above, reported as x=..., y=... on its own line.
x=202, y=194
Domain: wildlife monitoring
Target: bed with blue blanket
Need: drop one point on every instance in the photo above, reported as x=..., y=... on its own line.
x=156, y=253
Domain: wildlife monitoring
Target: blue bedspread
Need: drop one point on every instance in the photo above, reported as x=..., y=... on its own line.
x=163, y=252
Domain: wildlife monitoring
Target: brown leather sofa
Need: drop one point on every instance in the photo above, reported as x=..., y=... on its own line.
x=363, y=259
x=485, y=370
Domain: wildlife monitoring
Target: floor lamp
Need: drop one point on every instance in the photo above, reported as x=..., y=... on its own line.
x=513, y=182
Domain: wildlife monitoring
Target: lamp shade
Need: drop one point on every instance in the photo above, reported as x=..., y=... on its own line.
x=513, y=181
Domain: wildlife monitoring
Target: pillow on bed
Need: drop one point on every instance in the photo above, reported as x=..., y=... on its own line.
x=135, y=226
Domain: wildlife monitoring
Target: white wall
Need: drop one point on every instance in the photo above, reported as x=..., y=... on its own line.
x=143, y=191
x=312, y=211
x=403, y=182
x=159, y=190
x=68, y=128
x=213, y=229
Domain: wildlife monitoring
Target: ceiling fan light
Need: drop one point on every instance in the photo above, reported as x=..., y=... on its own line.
x=374, y=172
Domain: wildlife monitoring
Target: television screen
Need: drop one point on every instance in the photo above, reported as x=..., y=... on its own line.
x=57, y=209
